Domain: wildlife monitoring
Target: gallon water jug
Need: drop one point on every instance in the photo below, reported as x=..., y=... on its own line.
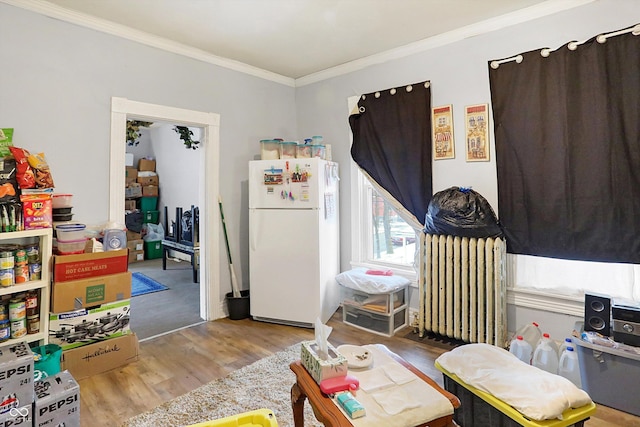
x=114, y=239
x=551, y=342
x=568, y=342
x=569, y=366
x=521, y=349
x=531, y=334
x=545, y=357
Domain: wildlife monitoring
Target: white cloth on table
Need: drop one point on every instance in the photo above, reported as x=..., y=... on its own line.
x=533, y=392
x=359, y=280
x=406, y=402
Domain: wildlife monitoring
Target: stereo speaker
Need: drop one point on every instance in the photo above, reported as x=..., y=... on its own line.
x=597, y=313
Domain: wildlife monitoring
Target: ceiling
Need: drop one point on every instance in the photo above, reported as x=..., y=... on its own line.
x=295, y=38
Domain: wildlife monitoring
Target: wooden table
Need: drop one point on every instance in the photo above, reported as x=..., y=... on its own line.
x=328, y=413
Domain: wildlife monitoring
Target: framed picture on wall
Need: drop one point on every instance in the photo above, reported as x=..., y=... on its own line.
x=442, y=123
x=477, y=132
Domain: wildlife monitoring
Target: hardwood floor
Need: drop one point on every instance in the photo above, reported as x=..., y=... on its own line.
x=174, y=364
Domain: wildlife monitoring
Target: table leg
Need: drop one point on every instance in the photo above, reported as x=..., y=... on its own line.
x=297, y=404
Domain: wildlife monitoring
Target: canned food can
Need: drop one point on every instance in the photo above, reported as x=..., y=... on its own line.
x=33, y=324
x=5, y=330
x=31, y=303
x=4, y=311
x=35, y=271
x=33, y=254
x=17, y=309
x=21, y=274
x=20, y=257
x=6, y=277
x=7, y=260
x=19, y=328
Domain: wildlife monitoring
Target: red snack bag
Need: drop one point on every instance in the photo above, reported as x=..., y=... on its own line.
x=24, y=173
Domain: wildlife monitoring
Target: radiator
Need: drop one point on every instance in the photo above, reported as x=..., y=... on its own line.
x=462, y=288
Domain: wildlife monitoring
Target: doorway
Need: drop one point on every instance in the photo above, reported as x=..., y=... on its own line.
x=122, y=109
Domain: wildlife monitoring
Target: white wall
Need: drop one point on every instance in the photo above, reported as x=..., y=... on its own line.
x=459, y=75
x=56, y=88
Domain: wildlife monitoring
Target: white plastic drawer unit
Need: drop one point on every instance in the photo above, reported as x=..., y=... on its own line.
x=384, y=304
x=382, y=324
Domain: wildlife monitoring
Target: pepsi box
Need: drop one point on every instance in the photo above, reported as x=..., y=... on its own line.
x=16, y=377
x=57, y=401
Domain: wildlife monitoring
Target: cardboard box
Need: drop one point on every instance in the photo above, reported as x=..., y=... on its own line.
x=148, y=180
x=77, y=294
x=334, y=366
x=16, y=376
x=84, y=266
x=130, y=205
x=22, y=417
x=89, y=325
x=136, y=256
x=100, y=357
x=57, y=401
x=147, y=165
x=132, y=235
x=149, y=190
x=133, y=190
x=135, y=245
x=130, y=174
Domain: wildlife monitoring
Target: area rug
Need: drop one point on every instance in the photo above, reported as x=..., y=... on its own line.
x=141, y=284
x=263, y=384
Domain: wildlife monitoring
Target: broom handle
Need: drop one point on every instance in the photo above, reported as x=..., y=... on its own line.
x=234, y=281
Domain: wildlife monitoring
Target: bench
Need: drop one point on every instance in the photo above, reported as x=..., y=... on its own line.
x=174, y=239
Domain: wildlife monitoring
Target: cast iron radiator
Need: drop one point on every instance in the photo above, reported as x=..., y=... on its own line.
x=462, y=288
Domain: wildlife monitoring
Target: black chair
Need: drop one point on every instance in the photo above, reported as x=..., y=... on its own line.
x=182, y=236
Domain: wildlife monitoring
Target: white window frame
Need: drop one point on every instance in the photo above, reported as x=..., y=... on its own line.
x=361, y=231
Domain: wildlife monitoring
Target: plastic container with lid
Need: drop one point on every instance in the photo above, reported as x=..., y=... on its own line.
x=288, y=149
x=545, y=357
x=569, y=367
x=70, y=232
x=61, y=201
x=521, y=349
x=303, y=151
x=73, y=247
x=317, y=150
x=114, y=239
x=269, y=149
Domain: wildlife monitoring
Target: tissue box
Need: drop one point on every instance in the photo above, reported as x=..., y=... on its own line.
x=334, y=366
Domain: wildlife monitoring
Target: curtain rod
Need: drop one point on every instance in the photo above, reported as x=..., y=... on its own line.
x=496, y=64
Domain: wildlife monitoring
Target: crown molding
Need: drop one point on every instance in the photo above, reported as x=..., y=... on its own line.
x=523, y=15
x=87, y=21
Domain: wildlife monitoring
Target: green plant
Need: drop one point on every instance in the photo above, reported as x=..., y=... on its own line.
x=185, y=135
x=133, y=131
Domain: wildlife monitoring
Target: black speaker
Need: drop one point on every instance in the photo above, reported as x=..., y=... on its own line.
x=597, y=313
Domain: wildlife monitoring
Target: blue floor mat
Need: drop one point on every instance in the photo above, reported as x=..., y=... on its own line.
x=141, y=284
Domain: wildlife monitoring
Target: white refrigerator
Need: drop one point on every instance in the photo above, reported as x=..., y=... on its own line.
x=294, y=240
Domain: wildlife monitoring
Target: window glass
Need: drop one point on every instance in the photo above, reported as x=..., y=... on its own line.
x=392, y=240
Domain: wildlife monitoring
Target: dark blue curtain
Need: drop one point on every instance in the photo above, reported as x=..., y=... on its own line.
x=567, y=130
x=392, y=143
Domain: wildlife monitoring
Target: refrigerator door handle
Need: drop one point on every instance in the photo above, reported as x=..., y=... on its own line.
x=253, y=231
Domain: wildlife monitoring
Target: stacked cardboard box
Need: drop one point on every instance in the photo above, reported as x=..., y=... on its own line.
x=90, y=307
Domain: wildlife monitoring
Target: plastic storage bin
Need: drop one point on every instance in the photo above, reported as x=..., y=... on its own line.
x=269, y=149
x=70, y=232
x=152, y=249
x=610, y=376
x=257, y=418
x=317, y=151
x=150, y=217
x=148, y=203
x=69, y=248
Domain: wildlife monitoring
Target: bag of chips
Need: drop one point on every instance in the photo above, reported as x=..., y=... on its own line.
x=41, y=170
x=24, y=174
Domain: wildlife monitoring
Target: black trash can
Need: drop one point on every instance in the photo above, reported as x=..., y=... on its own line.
x=238, y=306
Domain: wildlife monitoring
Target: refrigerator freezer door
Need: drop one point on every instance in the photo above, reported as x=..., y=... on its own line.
x=286, y=184
x=284, y=265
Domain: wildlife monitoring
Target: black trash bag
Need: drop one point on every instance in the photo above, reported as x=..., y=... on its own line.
x=461, y=212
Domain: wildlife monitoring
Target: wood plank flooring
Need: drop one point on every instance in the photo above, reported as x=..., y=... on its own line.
x=174, y=364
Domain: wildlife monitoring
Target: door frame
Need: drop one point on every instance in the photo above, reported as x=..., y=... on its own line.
x=123, y=109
